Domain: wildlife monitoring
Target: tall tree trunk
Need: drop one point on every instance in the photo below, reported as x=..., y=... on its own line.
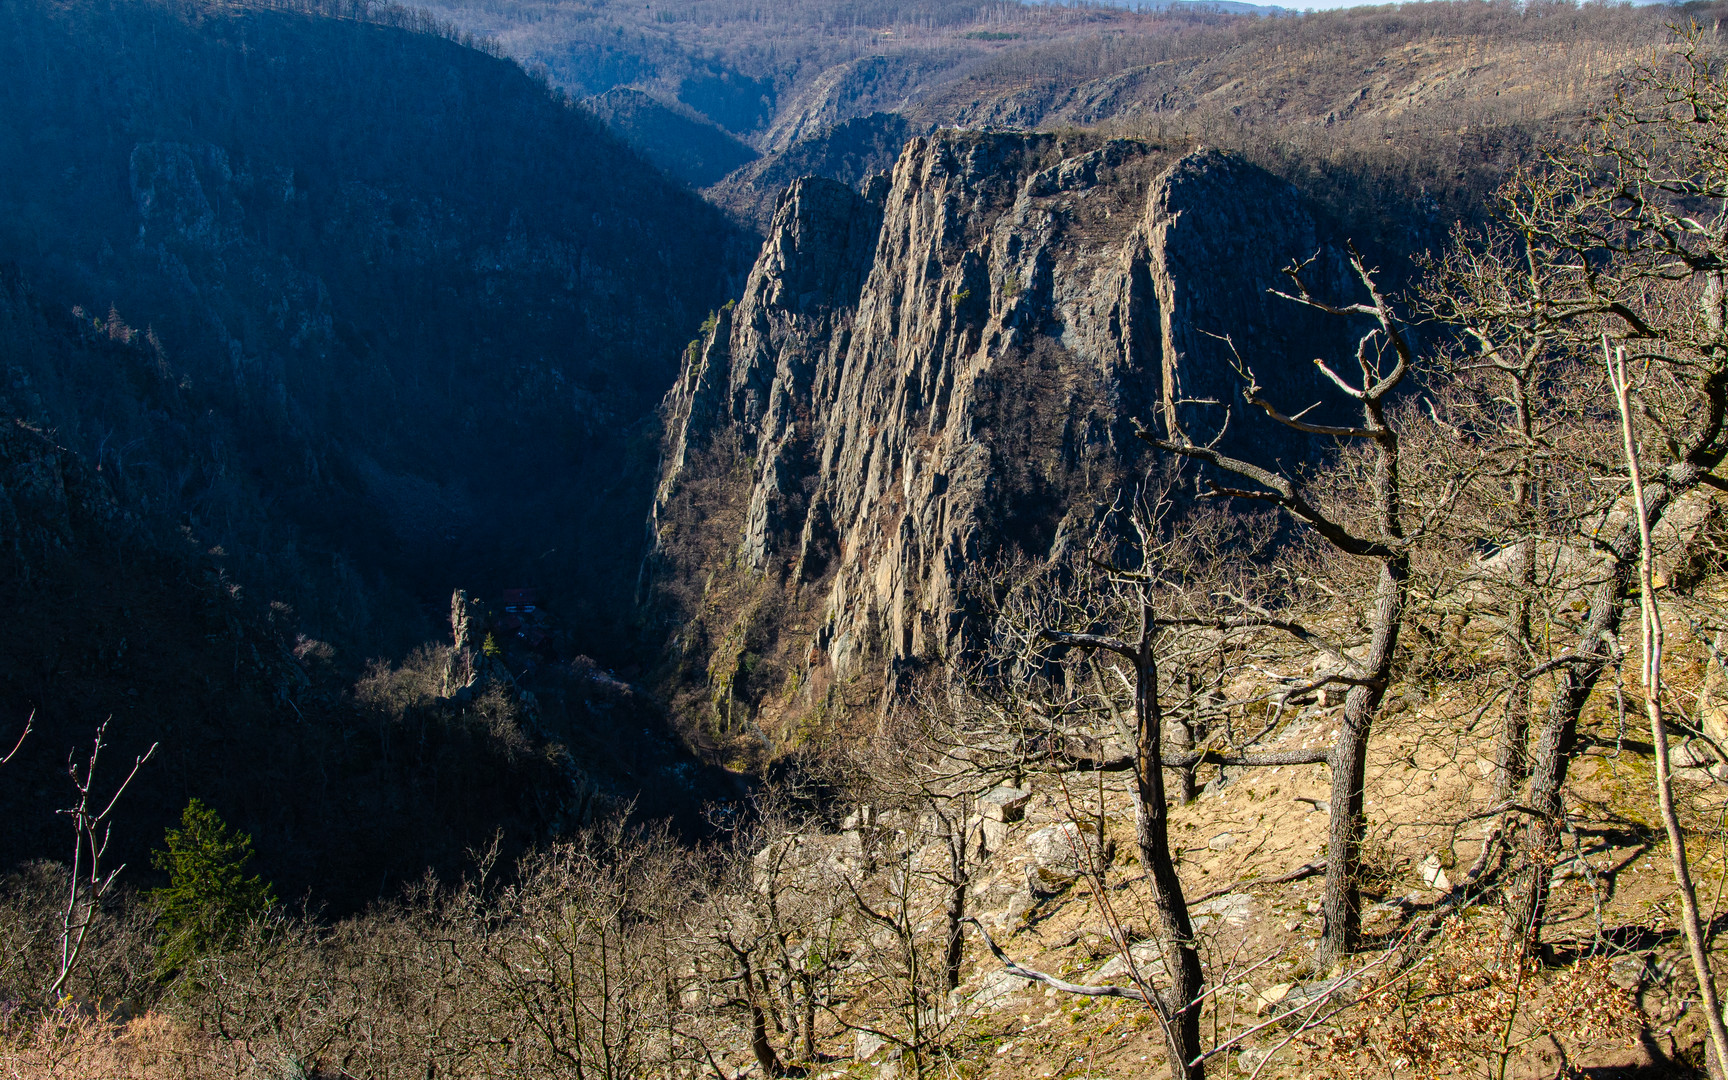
x=1341, y=902
x=807, y=983
x=1556, y=737
x=1511, y=752
x=958, y=878
x=759, y=1044
x=1152, y=832
x=1511, y=755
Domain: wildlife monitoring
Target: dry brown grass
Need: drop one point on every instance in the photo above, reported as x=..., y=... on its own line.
x=77, y=1044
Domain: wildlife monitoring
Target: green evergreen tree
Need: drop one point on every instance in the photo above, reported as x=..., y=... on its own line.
x=209, y=898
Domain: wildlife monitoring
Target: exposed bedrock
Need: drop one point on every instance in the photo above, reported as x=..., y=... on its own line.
x=950, y=366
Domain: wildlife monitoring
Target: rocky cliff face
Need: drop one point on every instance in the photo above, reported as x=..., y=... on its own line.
x=949, y=368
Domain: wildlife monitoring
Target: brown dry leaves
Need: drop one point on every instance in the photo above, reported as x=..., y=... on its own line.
x=1472, y=1006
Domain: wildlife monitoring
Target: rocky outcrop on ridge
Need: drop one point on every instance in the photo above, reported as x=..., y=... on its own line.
x=949, y=368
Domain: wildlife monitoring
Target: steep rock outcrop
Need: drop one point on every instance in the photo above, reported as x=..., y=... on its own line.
x=1029, y=299
x=754, y=376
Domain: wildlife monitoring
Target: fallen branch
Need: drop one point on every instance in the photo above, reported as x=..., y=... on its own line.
x=1306, y=870
x=1130, y=992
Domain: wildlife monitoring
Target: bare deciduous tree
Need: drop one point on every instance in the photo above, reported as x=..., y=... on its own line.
x=1378, y=536
x=1150, y=613
x=88, y=884
x=1625, y=235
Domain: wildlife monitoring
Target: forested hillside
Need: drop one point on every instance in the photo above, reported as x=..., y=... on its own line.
x=408, y=276
x=339, y=316
x=1393, y=113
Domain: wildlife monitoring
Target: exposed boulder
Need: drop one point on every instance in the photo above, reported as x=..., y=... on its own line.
x=1060, y=854
x=1233, y=909
x=1005, y=803
x=1148, y=957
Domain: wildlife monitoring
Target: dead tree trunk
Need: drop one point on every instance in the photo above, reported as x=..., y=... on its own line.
x=1650, y=609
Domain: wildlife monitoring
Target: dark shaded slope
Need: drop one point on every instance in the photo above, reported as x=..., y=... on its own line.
x=108, y=619
x=430, y=294
x=351, y=780
x=687, y=146
x=350, y=785
x=323, y=318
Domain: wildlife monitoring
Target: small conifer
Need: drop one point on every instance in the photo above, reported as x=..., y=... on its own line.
x=209, y=899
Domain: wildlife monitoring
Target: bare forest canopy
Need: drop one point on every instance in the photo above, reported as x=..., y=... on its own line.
x=736, y=57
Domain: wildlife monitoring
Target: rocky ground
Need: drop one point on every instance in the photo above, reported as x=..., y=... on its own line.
x=1249, y=853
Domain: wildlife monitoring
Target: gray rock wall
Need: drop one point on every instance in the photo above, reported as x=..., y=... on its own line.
x=951, y=365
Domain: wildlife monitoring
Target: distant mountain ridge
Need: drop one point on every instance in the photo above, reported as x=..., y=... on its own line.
x=1364, y=106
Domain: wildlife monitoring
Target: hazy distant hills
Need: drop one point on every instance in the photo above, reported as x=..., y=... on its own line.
x=1227, y=7
x=1436, y=99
